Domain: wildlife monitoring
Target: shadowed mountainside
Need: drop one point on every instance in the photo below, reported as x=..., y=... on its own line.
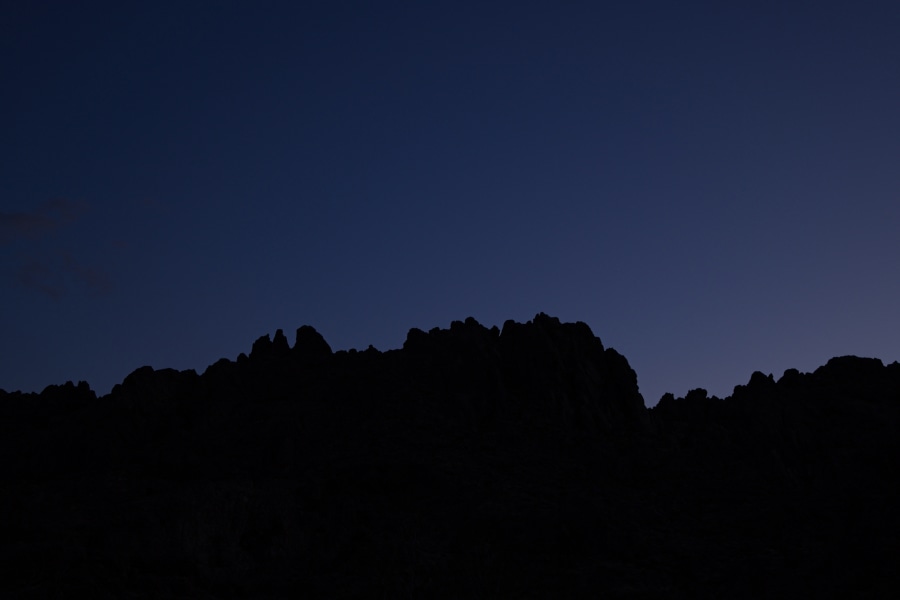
x=473, y=462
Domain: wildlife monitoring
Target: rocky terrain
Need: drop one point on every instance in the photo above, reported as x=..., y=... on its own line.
x=473, y=462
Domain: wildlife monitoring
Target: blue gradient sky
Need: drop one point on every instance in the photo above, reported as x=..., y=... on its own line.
x=713, y=187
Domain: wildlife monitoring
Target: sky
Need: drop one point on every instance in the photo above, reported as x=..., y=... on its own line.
x=714, y=187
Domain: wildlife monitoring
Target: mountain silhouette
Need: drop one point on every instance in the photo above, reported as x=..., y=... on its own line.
x=472, y=462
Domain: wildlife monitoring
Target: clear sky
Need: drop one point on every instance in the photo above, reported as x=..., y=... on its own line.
x=713, y=187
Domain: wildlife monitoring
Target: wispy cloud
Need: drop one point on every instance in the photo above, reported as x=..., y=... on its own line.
x=24, y=225
x=34, y=225
x=93, y=278
x=40, y=277
x=54, y=276
x=40, y=267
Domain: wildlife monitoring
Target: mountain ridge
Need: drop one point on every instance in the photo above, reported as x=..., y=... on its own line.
x=310, y=345
x=472, y=461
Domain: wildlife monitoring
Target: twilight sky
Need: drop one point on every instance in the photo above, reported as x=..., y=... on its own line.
x=714, y=187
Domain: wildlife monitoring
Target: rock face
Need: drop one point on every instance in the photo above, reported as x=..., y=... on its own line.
x=541, y=372
x=513, y=462
x=310, y=345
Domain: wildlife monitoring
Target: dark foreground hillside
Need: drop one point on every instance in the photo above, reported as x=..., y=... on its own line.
x=473, y=463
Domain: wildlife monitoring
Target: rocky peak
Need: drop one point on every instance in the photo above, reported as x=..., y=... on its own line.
x=310, y=345
x=262, y=348
x=280, y=345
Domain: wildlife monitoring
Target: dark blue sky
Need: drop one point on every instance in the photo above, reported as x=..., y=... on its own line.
x=713, y=187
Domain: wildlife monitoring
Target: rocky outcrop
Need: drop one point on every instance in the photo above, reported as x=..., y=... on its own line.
x=310, y=346
x=146, y=387
x=68, y=393
x=537, y=373
x=516, y=461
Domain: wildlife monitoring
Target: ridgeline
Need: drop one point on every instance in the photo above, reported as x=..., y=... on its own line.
x=473, y=462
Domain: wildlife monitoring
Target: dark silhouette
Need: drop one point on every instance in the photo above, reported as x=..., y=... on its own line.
x=473, y=462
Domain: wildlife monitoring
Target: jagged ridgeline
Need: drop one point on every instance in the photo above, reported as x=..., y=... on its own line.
x=473, y=461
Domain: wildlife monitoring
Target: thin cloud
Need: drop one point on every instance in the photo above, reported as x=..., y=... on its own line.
x=40, y=277
x=18, y=225
x=53, y=278
x=94, y=279
x=37, y=224
x=40, y=268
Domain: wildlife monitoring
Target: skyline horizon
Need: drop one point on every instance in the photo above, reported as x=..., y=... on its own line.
x=290, y=333
x=712, y=188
